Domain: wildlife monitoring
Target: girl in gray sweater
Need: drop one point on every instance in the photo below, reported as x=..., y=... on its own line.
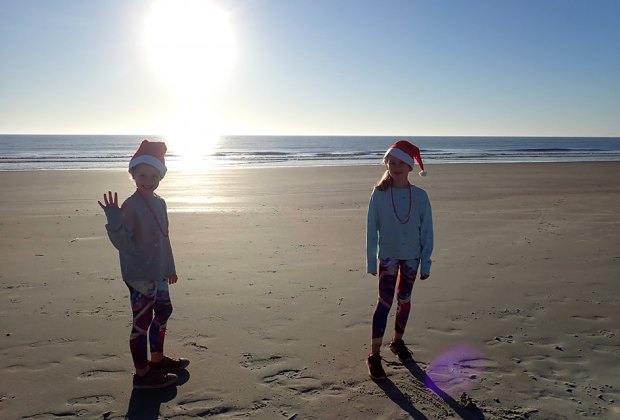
x=139, y=230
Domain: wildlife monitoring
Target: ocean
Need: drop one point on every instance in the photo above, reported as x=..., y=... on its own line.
x=46, y=152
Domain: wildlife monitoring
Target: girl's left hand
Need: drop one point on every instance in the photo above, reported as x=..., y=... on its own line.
x=172, y=278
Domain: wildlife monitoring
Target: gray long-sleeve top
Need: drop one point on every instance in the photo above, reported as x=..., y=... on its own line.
x=139, y=230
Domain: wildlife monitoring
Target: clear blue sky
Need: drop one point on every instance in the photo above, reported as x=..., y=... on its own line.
x=344, y=67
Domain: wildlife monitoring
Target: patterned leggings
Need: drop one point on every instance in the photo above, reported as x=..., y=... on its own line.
x=389, y=271
x=156, y=300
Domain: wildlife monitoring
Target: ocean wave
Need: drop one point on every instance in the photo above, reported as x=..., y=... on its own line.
x=550, y=150
x=80, y=152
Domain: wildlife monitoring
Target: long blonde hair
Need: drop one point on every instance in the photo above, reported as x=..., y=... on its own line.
x=385, y=182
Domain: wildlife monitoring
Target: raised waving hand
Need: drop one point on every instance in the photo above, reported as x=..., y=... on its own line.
x=109, y=202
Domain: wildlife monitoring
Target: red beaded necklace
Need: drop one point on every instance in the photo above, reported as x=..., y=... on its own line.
x=402, y=222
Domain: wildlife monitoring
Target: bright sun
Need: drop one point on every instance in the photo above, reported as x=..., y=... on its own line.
x=190, y=46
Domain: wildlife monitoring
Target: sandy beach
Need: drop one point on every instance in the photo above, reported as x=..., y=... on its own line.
x=273, y=304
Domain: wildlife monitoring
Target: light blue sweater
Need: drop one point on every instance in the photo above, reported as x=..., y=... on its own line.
x=386, y=237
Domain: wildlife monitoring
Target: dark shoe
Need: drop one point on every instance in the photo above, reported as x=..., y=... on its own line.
x=399, y=349
x=154, y=380
x=168, y=364
x=375, y=370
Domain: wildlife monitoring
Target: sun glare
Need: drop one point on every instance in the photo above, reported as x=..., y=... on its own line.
x=193, y=138
x=190, y=45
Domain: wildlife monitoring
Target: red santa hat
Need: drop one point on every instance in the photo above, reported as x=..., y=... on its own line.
x=407, y=152
x=152, y=153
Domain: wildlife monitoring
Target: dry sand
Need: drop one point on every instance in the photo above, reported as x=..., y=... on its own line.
x=273, y=304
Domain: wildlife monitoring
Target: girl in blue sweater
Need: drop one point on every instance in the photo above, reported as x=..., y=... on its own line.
x=400, y=236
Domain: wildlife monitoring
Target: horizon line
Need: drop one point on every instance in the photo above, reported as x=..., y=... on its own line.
x=319, y=135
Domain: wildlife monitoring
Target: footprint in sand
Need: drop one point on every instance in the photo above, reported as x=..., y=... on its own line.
x=202, y=403
x=92, y=399
x=501, y=339
x=34, y=368
x=207, y=404
x=295, y=380
x=446, y=331
x=95, y=357
x=292, y=379
x=200, y=342
x=589, y=317
x=252, y=363
x=51, y=342
x=99, y=374
x=60, y=416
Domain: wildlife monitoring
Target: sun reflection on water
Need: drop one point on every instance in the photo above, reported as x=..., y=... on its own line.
x=193, y=152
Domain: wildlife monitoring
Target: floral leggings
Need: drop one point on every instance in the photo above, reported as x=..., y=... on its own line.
x=394, y=275
x=153, y=301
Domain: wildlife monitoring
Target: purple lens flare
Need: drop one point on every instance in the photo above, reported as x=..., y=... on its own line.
x=456, y=370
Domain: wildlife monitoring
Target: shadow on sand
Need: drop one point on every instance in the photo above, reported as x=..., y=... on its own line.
x=399, y=398
x=145, y=404
x=392, y=391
